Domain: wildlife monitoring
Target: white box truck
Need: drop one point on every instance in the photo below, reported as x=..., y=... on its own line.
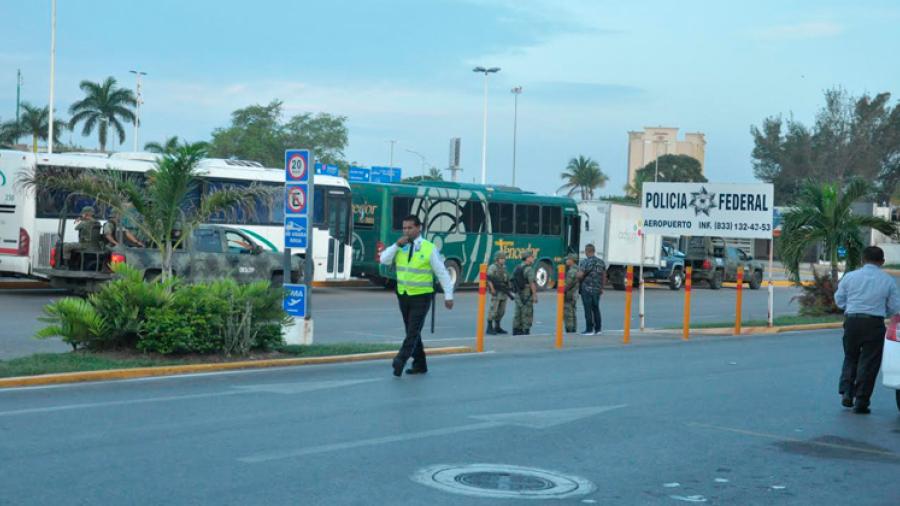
x=613, y=229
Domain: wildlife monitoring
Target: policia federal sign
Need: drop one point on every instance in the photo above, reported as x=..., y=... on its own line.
x=708, y=209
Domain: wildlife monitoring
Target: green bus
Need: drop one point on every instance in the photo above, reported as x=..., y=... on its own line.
x=468, y=222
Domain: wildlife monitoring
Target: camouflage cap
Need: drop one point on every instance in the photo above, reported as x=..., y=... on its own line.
x=87, y=209
x=499, y=254
x=572, y=256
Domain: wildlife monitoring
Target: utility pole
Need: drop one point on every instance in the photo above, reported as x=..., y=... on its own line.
x=18, y=100
x=516, y=92
x=138, y=100
x=486, y=72
x=52, y=73
x=392, y=142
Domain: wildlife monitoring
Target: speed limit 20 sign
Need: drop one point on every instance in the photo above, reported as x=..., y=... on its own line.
x=296, y=166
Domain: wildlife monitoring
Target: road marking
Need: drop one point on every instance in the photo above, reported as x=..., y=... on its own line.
x=795, y=440
x=280, y=388
x=530, y=419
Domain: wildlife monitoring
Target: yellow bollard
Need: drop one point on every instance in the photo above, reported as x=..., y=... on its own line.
x=482, y=290
x=687, y=303
x=560, y=301
x=629, y=282
x=740, y=299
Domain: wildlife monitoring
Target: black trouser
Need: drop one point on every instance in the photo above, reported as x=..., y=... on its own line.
x=863, y=346
x=414, y=309
x=592, y=320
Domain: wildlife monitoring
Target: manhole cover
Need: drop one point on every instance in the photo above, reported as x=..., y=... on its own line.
x=502, y=481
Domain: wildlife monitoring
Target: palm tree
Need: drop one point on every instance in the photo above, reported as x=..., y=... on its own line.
x=823, y=215
x=169, y=146
x=161, y=205
x=9, y=132
x=584, y=175
x=35, y=121
x=105, y=105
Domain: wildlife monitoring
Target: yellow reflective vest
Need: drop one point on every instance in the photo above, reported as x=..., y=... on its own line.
x=414, y=275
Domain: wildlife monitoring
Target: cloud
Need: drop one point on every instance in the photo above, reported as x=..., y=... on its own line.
x=800, y=31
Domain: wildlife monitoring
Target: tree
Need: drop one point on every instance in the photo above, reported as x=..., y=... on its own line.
x=160, y=205
x=170, y=145
x=822, y=214
x=434, y=174
x=9, y=133
x=672, y=169
x=583, y=175
x=35, y=121
x=105, y=105
x=258, y=133
x=851, y=137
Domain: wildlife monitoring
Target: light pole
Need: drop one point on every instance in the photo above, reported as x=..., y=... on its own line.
x=516, y=92
x=421, y=157
x=18, y=101
x=485, y=71
x=138, y=101
x=52, y=73
x=392, y=142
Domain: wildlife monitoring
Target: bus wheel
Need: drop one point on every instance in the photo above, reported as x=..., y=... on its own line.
x=543, y=276
x=454, y=270
x=277, y=280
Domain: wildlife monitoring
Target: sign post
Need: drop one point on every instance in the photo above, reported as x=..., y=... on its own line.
x=298, y=194
x=560, y=303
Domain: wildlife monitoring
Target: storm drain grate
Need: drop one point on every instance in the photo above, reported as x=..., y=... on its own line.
x=502, y=481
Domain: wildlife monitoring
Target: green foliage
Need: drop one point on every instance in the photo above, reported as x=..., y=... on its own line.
x=125, y=302
x=35, y=121
x=104, y=106
x=170, y=145
x=852, y=137
x=817, y=299
x=75, y=320
x=258, y=133
x=583, y=175
x=672, y=169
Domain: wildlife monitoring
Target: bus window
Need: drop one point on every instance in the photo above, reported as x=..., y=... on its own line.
x=338, y=206
x=528, y=219
x=551, y=220
x=401, y=209
x=501, y=218
x=266, y=211
x=471, y=219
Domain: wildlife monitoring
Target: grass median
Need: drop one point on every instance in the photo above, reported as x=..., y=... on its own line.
x=780, y=321
x=80, y=361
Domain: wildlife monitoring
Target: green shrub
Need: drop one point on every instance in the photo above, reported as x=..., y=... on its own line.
x=818, y=298
x=192, y=322
x=75, y=320
x=124, y=303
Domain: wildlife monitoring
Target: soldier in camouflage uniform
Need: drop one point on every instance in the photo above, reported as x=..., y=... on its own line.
x=498, y=284
x=89, y=238
x=571, y=296
x=526, y=295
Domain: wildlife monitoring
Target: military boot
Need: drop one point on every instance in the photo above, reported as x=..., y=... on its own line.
x=490, y=328
x=516, y=332
x=497, y=328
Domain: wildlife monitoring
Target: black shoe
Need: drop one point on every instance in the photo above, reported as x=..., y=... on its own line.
x=517, y=332
x=398, y=368
x=527, y=332
x=847, y=400
x=490, y=329
x=413, y=370
x=498, y=329
x=862, y=407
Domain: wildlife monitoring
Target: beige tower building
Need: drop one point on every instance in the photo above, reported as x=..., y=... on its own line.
x=644, y=147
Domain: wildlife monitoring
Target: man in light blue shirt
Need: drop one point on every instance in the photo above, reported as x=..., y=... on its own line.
x=867, y=296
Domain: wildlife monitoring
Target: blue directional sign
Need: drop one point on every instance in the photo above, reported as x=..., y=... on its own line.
x=327, y=170
x=295, y=300
x=396, y=174
x=358, y=174
x=296, y=165
x=296, y=231
x=381, y=174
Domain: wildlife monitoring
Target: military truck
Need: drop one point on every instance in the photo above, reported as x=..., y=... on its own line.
x=210, y=252
x=715, y=262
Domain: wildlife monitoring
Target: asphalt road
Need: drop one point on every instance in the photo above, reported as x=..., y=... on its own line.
x=371, y=314
x=749, y=421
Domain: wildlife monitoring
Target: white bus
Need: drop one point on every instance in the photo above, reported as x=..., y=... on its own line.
x=29, y=222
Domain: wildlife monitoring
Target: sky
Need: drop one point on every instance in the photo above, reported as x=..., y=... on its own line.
x=591, y=70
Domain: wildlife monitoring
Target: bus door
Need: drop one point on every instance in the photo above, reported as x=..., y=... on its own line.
x=338, y=214
x=573, y=233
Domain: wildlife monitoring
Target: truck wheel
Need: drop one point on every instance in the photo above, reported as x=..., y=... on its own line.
x=676, y=281
x=756, y=280
x=454, y=270
x=277, y=280
x=151, y=275
x=544, y=276
x=716, y=281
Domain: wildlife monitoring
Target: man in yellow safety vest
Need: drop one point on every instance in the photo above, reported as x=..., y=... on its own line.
x=417, y=262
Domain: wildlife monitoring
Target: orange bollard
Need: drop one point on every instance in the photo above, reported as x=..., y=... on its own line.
x=629, y=283
x=740, y=300
x=687, y=303
x=482, y=291
x=560, y=301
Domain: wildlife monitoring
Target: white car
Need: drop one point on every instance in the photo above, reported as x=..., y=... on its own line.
x=890, y=364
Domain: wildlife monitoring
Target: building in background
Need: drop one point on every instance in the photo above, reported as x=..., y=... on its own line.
x=644, y=147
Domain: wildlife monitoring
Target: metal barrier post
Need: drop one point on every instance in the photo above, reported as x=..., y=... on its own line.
x=686, y=329
x=629, y=282
x=482, y=290
x=560, y=301
x=739, y=303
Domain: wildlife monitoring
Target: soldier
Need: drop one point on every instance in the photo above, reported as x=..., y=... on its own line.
x=571, y=296
x=88, y=229
x=526, y=295
x=498, y=284
x=111, y=229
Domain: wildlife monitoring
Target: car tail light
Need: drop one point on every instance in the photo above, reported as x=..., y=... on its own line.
x=24, y=243
x=707, y=265
x=379, y=247
x=53, y=256
x=117, y=258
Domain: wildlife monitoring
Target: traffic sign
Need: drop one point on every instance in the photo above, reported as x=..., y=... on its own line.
x=295, y=199
x=381, y=174
x=296, y=165
x=295, y=231
x=295, y=300
x=358, y=174
x=396, y=174
x=327, y=170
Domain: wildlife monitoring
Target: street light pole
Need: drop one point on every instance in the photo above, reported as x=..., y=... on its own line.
x=421, y=157
x=485, y=71
x=52, y=73
x=138, y=100
x=18, y=101
x=392, y=142
x=516, y=92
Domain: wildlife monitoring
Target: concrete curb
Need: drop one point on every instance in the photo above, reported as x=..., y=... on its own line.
x=351, y=283
x=727, y=331
x=173, y=370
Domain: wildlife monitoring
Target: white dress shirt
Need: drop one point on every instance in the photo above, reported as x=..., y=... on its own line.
x=868, y=290
x=437, y=263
